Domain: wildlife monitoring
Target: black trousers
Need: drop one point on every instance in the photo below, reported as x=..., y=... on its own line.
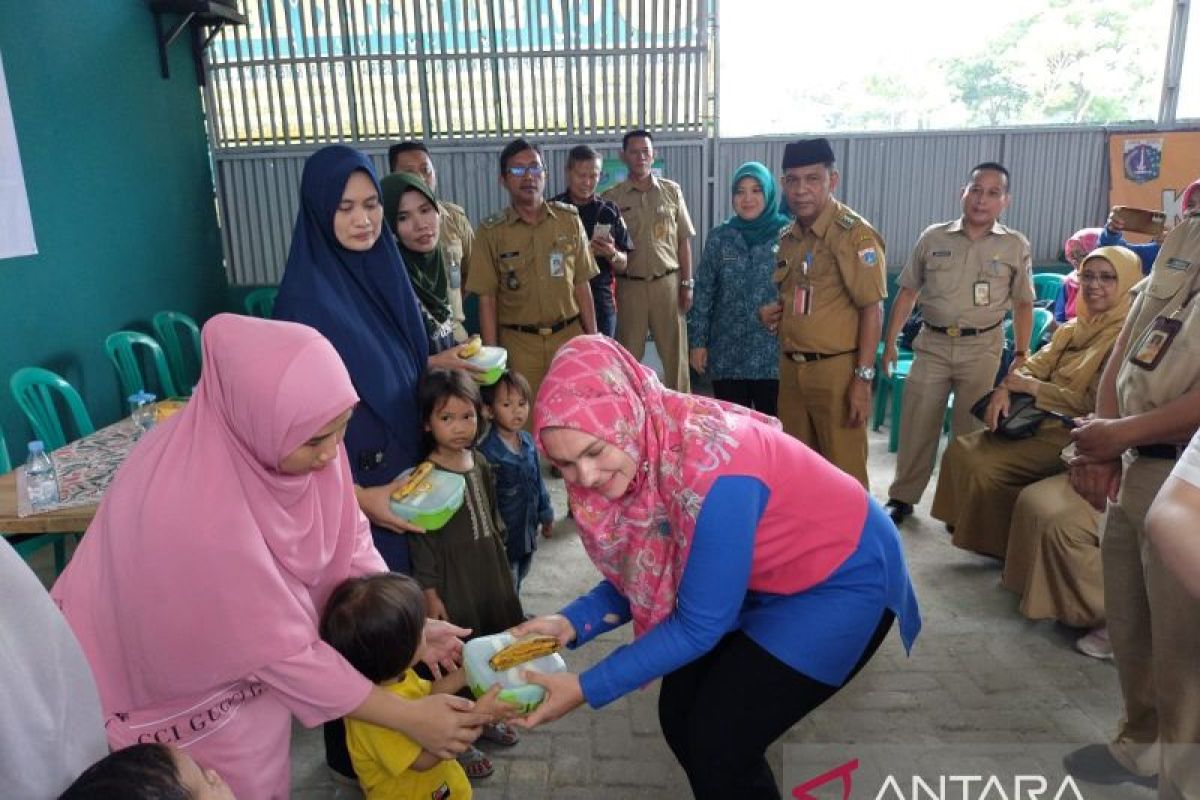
x=760, y=395
x=720, y=712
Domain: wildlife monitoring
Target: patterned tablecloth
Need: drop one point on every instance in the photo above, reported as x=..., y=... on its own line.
x=85, y=467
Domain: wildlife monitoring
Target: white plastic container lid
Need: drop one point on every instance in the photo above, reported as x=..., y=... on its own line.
x=489, y=358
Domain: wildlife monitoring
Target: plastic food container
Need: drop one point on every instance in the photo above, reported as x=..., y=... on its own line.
x=481, y=677
x=492, y=359
x=433, y=507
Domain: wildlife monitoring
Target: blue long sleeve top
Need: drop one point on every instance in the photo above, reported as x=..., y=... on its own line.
x=1146, y=252
x=732, y=281
x=521, y=495
x=820, y=632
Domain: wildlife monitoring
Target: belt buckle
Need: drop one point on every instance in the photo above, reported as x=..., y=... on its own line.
x=953, y=331
x=545, y=331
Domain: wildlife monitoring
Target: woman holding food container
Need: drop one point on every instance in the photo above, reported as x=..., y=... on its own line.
x=348, y=280
x=759, y=578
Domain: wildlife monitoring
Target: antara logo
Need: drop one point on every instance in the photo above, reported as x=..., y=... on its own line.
x=947, y=787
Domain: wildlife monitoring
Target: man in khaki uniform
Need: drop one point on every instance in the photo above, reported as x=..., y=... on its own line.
x=830, y=271
x=967, y=274
x=1147, y=408
x=454, y=232
x=654, y=290
x=530, y=266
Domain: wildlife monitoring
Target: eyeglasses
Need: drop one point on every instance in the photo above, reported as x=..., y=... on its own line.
x=520, y=172
x=1103, y=278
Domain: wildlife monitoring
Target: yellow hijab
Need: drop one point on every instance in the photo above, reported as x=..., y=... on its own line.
x=1095, y=334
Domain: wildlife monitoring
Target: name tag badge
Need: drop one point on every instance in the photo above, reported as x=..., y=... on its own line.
x=1178, y=263
x=940, y=254
x=982, y=293
x=1149, y=351
x=802, y=300
x=557, y=262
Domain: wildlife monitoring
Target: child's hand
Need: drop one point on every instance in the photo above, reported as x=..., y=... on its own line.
x=436, y=608
x=493, y=706
x=548, y=529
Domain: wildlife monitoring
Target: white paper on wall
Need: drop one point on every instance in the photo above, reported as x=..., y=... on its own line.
x=16, y=226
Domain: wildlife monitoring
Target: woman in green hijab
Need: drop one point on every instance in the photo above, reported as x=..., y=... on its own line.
x=411, y=213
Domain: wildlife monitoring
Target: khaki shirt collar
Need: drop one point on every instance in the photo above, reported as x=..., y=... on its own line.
x=633, y=187
x=821, y=224
x=511, y=215
x=957, y=227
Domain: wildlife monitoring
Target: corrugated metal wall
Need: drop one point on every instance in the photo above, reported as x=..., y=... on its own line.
x=901, y=183
x=259, y=192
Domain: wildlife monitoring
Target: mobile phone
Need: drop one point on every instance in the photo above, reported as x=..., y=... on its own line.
x=1140, y=220
x=601, y=230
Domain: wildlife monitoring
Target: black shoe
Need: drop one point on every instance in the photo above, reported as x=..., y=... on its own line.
x=898, y=510
x=1095, y=764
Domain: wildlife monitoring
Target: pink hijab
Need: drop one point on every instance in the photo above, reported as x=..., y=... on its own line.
x=203, y=562
x=1193, y=188
x=680, y=441
x=1085, y=240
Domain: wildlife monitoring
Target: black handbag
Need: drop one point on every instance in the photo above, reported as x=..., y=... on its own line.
x=1022, y=420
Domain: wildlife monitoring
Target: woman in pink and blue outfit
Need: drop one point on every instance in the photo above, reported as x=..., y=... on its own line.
x=759, y=577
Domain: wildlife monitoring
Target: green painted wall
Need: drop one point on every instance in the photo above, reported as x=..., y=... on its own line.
x=120, y=189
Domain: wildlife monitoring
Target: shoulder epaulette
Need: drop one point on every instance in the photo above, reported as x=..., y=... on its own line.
x=494, y=220
x=848, y=220
x=561, y=206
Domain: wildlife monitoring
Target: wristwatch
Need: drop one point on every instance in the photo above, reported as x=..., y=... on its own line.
x=687, y=283
x=864, y=373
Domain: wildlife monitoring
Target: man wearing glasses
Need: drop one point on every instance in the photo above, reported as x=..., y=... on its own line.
x=654, y=291
x=967, y=273
x=530, y=266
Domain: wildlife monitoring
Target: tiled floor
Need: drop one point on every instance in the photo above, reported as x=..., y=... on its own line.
x=985, y=693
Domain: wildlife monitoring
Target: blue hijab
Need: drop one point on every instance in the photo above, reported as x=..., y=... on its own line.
x=365, y=305
x=766, y=225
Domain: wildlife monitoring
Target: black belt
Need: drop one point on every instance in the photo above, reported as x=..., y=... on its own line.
x=542, y=330
x=1171, y=452
x=624, y=277
x=800, y=358
x=955, y=331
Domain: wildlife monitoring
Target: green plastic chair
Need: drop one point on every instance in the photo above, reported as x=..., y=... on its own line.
x=1042, y=317
x=34, y=389
x=261, y=302
x=1047, y=285
x=885, y=386
x=120, y=348
x=28, y=544
x=174, y=329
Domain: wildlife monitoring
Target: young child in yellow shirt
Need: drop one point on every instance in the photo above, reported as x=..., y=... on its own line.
x=377, y=622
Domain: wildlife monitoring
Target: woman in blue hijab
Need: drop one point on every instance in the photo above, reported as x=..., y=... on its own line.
x=727, y=341
x=347, y=281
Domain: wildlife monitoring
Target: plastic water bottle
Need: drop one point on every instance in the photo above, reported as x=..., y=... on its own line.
x=40, y=479
x=141, y=409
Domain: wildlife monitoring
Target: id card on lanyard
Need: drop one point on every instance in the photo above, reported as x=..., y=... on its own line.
x=802, y=295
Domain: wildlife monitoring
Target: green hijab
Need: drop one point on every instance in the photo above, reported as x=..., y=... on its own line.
x=766, y=225
x=427, y=270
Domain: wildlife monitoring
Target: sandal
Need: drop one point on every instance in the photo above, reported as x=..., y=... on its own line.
x=501, y=734
x=475, y=763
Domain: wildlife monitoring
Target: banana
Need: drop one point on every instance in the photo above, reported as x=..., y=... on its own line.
x=415, y=481
x=473, y=346
x=523, y=650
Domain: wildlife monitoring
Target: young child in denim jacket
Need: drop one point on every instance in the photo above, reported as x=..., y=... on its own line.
x=521, y=492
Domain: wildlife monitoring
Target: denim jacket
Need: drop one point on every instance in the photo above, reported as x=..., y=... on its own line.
x=520, y=491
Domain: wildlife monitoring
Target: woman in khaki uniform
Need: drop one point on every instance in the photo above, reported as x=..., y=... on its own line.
x=981, y=472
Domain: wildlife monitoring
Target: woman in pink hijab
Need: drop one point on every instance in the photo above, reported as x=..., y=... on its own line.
x=197, y=590
x=1075, y=249
x=759, y=577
